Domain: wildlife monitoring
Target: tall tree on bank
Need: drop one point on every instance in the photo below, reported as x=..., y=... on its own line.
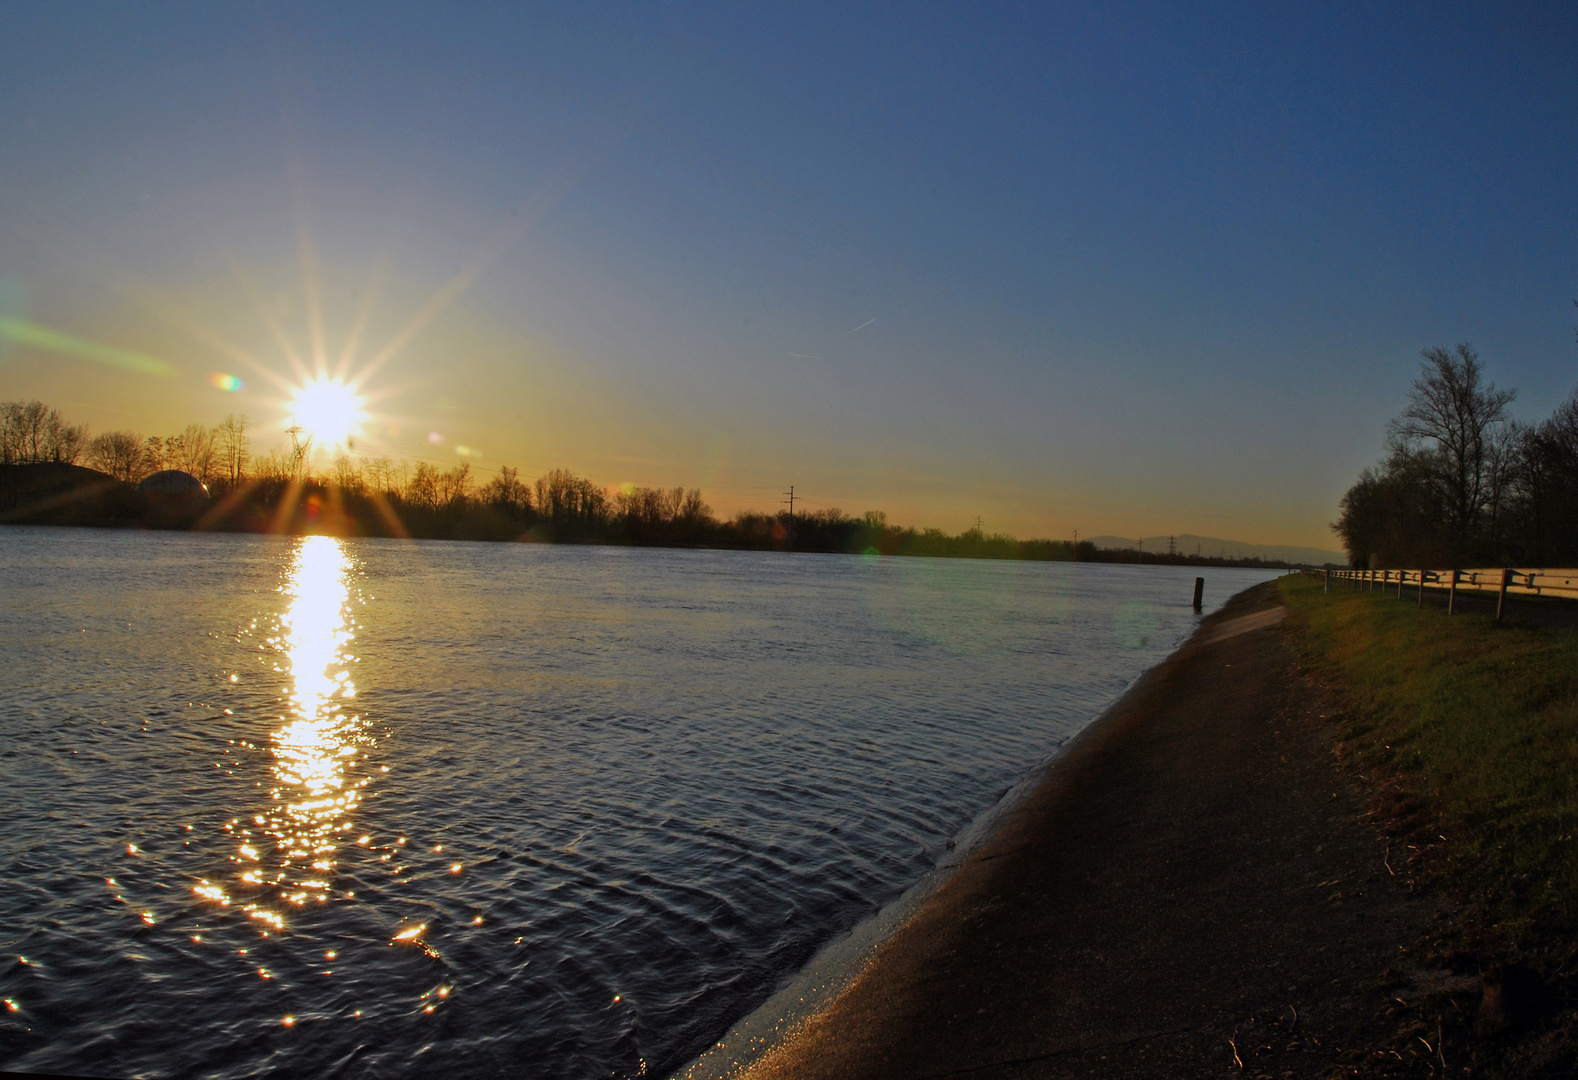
x=1545, y=485
x=1455, y=424
x=1441, y=496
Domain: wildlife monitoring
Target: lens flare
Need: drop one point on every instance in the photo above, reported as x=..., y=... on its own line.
x=42, y=337
x=228, y=383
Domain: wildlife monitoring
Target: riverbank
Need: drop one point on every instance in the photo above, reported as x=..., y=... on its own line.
x=1198, y=887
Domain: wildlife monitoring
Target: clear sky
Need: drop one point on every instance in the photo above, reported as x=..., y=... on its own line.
x=1133, y=269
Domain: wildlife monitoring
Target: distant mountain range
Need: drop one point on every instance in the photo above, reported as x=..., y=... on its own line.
x=1189, y=544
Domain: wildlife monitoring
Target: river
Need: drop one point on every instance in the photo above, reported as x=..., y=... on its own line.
x=323, y=807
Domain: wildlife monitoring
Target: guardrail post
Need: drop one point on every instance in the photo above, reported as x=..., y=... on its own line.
x=1501, y=598
x=1452, y=594
x=1421, y=588
x=1401, y=574
x=1328, y=583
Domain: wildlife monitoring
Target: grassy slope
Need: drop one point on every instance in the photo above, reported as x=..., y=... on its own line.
x=1476, y=728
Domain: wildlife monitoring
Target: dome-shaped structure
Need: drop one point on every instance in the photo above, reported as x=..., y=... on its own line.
x=174, y=485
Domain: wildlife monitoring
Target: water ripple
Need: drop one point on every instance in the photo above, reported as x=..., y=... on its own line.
x=369, y=808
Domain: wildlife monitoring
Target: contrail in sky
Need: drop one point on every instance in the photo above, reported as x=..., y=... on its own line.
x=862, y=326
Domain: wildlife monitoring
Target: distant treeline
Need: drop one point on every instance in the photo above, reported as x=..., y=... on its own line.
x=1462, y=484
x=41, y=481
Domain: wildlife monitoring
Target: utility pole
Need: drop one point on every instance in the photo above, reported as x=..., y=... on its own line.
x=790, y=500
x=1170, y=551
x=977, y=522
x=299, y=451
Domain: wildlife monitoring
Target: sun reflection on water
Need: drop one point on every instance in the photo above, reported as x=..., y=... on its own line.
x=286, y=851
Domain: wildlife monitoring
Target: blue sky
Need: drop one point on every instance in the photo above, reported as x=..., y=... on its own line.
x=1131, y=269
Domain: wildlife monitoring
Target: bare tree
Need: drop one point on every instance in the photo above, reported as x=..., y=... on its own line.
x=192, y=452
x=10, y=433
x=154, y=454
x=422, y=489
x=25, y=431
x=564, y=497
x=33, y=422
x=347, y=475
x=1455, y=417
x=692, y=511
x=380, y=475
x=119, y=453
x=454, y=486
x=232, y=439
x=507, y=492
x=31, y=433
x=63, y=442
x=1546, y=485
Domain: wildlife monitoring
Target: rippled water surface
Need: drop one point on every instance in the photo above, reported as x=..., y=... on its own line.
x=370, y=808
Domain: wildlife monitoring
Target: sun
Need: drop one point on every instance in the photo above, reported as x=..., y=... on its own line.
x=328, y=410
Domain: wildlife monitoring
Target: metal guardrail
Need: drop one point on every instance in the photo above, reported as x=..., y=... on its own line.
x=1504, y=582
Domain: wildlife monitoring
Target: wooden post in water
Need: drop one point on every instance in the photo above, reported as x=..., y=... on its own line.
x=1452, y=594
x=1501, y=597
x=1199, y=592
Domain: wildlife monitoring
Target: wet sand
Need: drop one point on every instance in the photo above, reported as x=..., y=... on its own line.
x=1189, y=892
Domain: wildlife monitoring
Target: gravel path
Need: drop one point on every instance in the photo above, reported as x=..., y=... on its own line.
x=1190, y=892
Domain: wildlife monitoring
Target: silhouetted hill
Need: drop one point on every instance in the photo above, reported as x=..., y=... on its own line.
x=51, y=493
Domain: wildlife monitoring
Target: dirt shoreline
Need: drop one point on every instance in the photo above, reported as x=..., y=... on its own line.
x=1190, y=891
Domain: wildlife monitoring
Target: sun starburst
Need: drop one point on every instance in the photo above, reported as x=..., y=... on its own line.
x=329, y=410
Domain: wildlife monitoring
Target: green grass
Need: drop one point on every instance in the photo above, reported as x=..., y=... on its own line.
x=1477, y=724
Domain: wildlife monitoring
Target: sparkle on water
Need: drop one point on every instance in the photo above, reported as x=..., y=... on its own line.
x=286, y=852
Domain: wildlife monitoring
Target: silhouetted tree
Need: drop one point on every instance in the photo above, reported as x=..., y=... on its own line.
x=1545, y=487
x=505, y=492
x=232, y=446
x=119, y=453
x=422, y=489
x=347, y=475
x=454, y=486
x=1452, y=435
x=193, y=451
x=31, y=433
